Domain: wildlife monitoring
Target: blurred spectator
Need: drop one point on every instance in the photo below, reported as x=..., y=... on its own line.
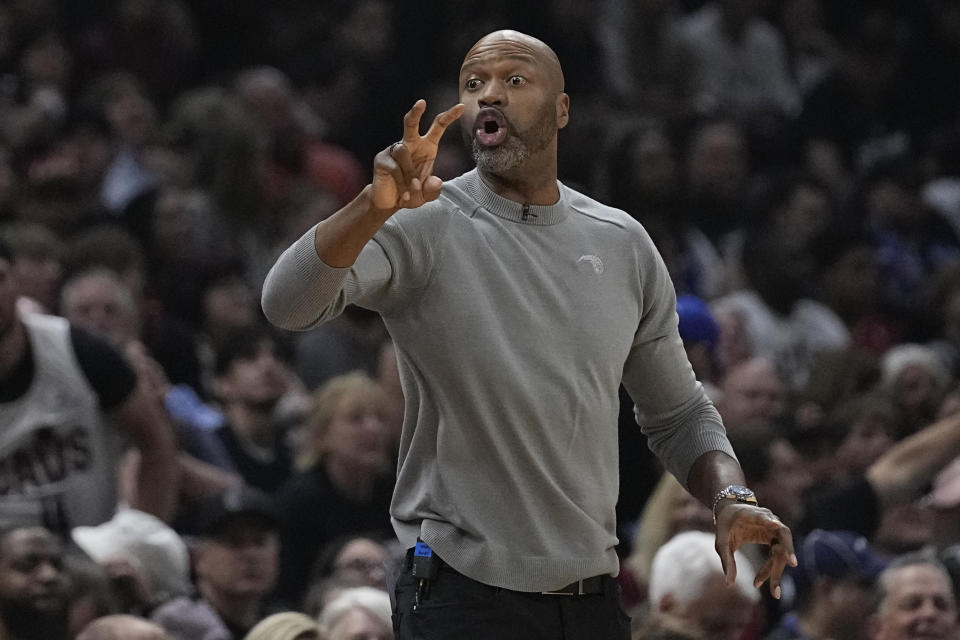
x=122, y=627
x=120, y=101
x=146, y=560
x=360, y=611
x=914, y=598
x=351, y=342
x=887, y=494
x=287, y=625
x=861, y=107
x=235, y=564
x=669, y=510
x=37, y=262
x=917, y=380
x=774, y=469
x=783, y=321
x=44, y=358
x=943, y=314
x=912, y=243
x=699, y=333
x=91, y=594
x=657, y=628
x=752, y=392
x=848, y=277
x=169, y=340
x=250, y=381
x=687, y=583
x=345, y=465
x=832, y=584
x=812, y=51
x=740, y=61
x=645, y=66
x=713, y=209
x=354, y=560
x=33, y=585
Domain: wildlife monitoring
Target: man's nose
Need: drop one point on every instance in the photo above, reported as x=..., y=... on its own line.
x=47, y=573
x=493, y=94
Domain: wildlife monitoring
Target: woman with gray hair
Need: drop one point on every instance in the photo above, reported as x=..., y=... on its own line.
x=359, y=613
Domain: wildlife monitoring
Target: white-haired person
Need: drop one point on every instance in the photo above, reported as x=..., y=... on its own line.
x=918, y=379
x=357, y=612
x=687, y=584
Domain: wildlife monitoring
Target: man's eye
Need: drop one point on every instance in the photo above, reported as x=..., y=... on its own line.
x=473, y=83
x=517, y=81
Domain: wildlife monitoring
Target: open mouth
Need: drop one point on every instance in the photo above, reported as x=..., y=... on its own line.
x=490, y=127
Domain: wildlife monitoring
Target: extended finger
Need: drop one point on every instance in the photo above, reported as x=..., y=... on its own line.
x=442, y=121
x=411, y=121
x=727, y=560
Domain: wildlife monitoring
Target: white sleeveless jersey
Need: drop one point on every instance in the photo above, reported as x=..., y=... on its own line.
x=57, y=458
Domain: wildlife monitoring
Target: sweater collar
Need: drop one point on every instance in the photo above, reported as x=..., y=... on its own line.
x=534, y=214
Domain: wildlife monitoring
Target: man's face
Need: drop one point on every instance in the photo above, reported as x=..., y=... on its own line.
x=752, y=392
x=257, y=381
x=33, y=587
x=99, y=302
x=512, y=89
x=919, y=605
x=240, y=562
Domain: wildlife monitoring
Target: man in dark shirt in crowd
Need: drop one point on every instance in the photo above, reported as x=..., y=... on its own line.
x=33, y=586
x=250, y=381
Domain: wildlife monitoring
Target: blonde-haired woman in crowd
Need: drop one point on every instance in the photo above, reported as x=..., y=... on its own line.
x=289, y=625
x=345, y=479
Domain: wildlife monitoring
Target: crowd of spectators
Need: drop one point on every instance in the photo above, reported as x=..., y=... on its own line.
x=797, y=163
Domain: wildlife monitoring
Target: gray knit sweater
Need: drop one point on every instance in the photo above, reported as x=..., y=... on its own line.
x=514, y=326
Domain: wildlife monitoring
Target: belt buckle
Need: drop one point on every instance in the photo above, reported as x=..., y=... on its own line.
x=578, y=583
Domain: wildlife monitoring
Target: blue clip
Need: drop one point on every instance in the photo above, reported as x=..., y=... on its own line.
x=423, y=550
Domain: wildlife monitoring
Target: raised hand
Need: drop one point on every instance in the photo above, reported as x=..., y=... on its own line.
x=738, y=524
x=403, y=172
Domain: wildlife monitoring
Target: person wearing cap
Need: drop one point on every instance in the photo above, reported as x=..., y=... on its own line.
x=236, y=559
x=65, y=397
x=147, y=561
x=832, y=587
x=699, y=332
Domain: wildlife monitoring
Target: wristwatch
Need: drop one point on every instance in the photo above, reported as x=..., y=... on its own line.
x=735, y=492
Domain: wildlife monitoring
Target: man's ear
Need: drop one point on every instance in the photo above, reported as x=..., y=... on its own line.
x=563, y=110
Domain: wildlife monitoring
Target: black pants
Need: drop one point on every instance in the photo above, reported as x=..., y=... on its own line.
x=456, y=607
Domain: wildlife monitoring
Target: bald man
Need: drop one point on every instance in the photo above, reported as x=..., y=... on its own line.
x=517, y=306
x=122, y=627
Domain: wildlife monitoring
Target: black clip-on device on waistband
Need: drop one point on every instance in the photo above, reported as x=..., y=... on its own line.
x=424, y=567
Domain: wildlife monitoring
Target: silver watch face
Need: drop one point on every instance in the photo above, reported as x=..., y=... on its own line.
x=739, y=492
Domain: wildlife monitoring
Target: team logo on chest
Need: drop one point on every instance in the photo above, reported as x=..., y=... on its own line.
x=594, y=262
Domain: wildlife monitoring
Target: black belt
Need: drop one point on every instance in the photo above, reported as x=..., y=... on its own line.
x=586, y=587
x=591, y=586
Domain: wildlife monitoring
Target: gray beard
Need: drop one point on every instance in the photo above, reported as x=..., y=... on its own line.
x=500, y=159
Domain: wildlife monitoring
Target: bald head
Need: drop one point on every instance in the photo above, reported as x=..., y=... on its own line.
x=509, y=43
x=122, y=627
